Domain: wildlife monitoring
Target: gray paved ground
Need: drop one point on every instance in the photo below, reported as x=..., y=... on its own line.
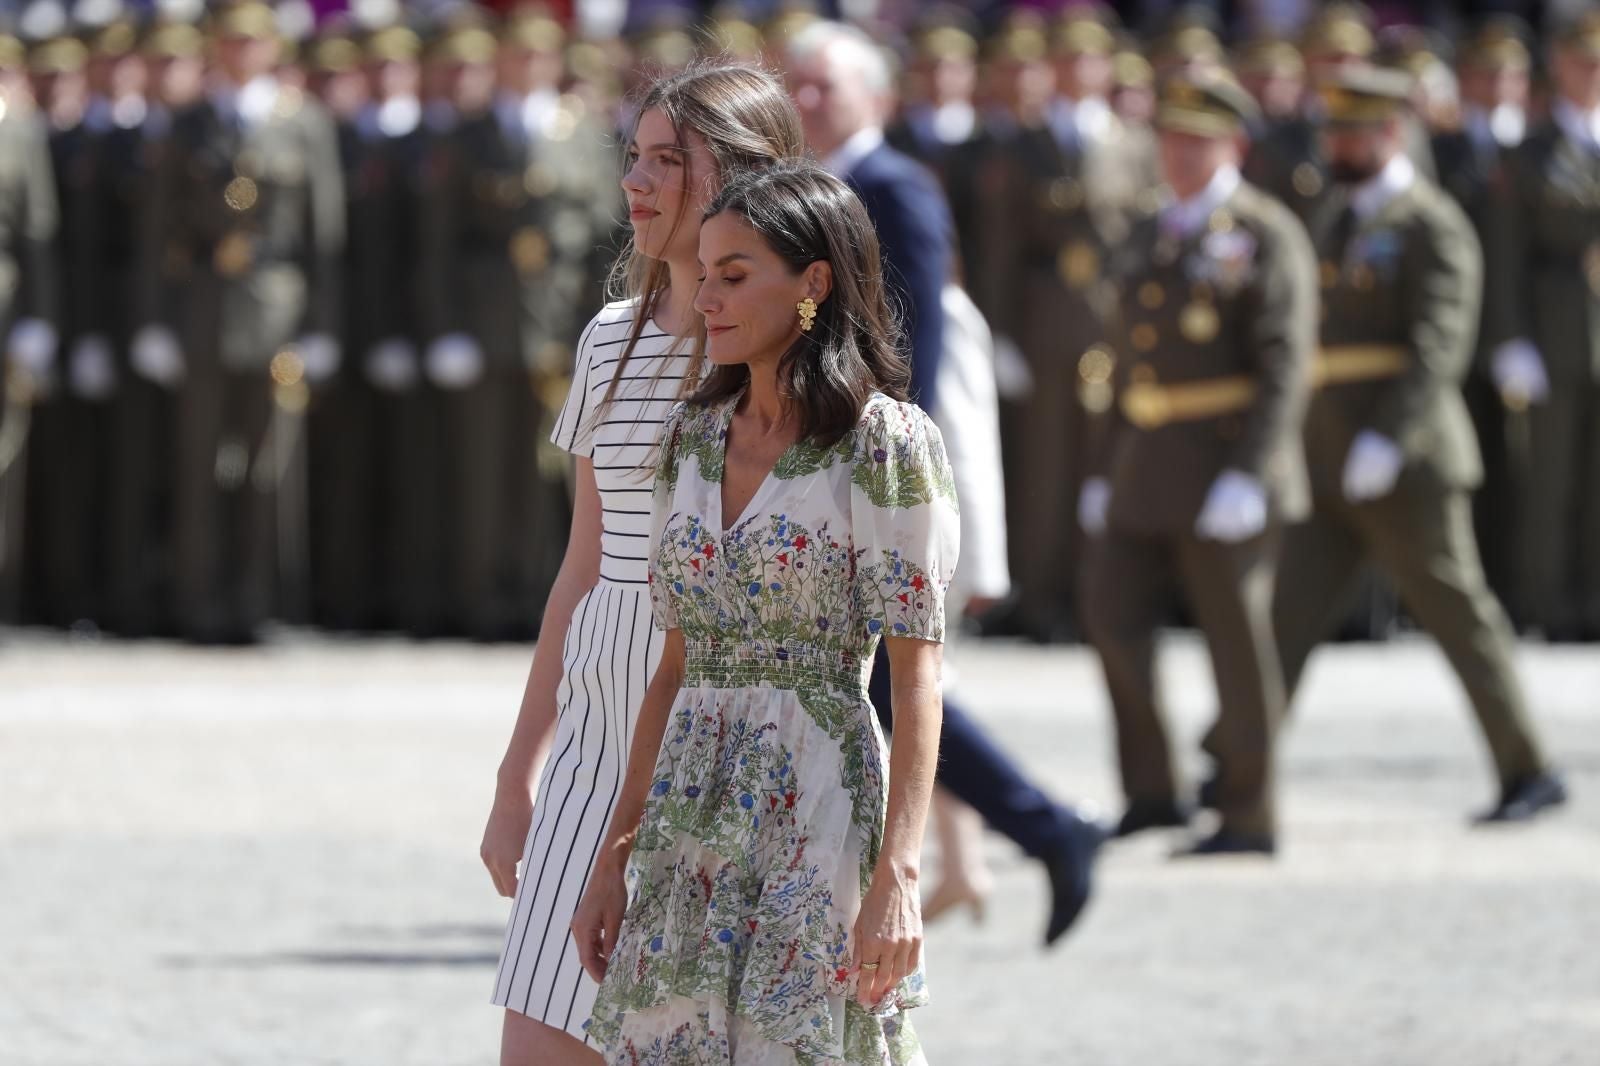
x=270, y=858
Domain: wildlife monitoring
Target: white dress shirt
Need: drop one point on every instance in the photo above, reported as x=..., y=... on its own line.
x=1370, y=197
x=1183, y=218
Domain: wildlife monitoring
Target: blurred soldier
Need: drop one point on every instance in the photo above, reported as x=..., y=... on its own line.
x=1185, y=48
x=1133, y=87
x=29, y=218
x=153, y=279
x=384, y=330
x=1389, y=445
x=68, y=446
x=1544, y=304
x=253, y=212
x=1493, y=68
x=509, y=252
x=939, y=116
x=343, y=538
x=1052, y=206
x=1202, y=465
x=1273, y=72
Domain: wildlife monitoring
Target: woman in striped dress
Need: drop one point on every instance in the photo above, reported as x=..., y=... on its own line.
x=636, y=358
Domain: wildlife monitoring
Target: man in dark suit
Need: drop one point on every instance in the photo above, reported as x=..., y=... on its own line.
x=842, y=85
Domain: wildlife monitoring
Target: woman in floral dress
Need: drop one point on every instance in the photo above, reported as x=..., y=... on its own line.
x=755, y=900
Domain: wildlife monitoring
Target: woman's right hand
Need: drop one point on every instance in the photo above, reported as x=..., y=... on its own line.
x=505, y=837
x=599, y=916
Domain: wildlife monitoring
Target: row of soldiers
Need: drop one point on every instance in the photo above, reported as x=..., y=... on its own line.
x=1040, y=132
x=283, y=334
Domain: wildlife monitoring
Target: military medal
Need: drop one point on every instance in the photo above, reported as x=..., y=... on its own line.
x=1078, y=264
x=1144, y=337
x=241, y=194
x=1152, y=295
x=1307, y=182
x=1199, y=322
x=1094, y=385
x=530, y=250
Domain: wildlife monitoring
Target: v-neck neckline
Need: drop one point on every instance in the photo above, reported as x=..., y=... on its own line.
x=723, y=526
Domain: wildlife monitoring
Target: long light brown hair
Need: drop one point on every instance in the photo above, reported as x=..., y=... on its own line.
x=748, y=122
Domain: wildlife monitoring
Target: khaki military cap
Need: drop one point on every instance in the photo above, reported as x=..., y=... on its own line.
x=735, y=37
x=1363, y=95
x=1186, y=44
x=1498, y=43
x=58, y=55
x=1340, y=30
x=335, y=54
x=115, y=39
x=394, y=44
x=472, y=45
x=12, y=53
x=536, y=33
x=1269, y=55
x=665, y=48
x=1207, y=103
x=946, y=42
x=1581, y=34
x=1017, y=44
x=249, y=19
x=1130, y=70
x=174, y=40
x=1082, y=35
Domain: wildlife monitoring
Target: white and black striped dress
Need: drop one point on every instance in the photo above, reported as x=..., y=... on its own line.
x=610, y=652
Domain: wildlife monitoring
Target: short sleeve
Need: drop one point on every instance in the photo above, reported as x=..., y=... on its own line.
x=574, y=430
x=663, y=504
x=905, y=523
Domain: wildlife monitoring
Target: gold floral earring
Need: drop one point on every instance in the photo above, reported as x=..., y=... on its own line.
x=808, y=314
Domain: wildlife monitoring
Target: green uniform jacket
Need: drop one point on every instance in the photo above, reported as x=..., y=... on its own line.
x=1409, y=277
x=1236, y=300
x=1544, y=256
x=29, y=217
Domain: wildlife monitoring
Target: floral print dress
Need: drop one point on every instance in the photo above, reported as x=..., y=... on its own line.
x=766, y=812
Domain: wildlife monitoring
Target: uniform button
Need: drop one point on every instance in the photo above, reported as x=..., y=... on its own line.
x=241, y=194
x=1144, y=337
x=1307, y=182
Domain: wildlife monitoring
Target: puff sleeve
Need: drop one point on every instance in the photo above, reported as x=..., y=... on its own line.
x=905, y=523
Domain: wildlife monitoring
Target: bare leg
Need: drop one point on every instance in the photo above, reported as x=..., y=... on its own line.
x=525, y=1042
x=964, y=876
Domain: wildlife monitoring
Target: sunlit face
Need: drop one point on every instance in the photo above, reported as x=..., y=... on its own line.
x=833, y=98
x=1577, y=76
x=669, y=183
x=749, y=293
x=245, y=58
x=1189, y=161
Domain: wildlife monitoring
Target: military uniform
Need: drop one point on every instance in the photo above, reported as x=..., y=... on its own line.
x=29, y=218
x=1203, y=465
x=254, y=216
x=512, y=222
x=1388, y=441
x=1470, y=160
x=1544, y=289
x=1051, y=208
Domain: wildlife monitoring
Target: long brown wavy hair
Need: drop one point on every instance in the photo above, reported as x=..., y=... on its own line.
x=805, y=214
x=748, y=122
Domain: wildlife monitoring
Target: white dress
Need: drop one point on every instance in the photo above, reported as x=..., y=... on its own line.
x=611, y=649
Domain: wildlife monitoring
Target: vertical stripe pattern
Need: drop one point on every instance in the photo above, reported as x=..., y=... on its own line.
x=610, y=651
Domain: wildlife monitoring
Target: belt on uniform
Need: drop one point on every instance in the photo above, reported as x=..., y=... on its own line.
x=1150, y=405
x=1345, y=364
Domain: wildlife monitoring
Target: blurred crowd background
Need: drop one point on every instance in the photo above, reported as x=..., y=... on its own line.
x=290, y=294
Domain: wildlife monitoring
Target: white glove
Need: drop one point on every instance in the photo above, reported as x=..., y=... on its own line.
x=1235, y=509
x=454, y=361
x=1094, y=500
x=91, y=370
x=392, y=365
x=156, y=357
x=1371, y=467
x=319, y=353
x=1519, y=372
x=32, y=346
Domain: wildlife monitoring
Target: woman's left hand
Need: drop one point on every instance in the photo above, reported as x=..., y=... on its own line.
x=888, y=934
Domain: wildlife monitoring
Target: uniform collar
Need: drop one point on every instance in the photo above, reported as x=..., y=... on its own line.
x=1080, y=121
x=250, y=104
x=860, y=144
x=528, y=117
x=1582, y=127
x=1182, y=218
x=394, y=117
x=1372, y=195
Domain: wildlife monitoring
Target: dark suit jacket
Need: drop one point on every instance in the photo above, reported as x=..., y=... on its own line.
x=915, y=232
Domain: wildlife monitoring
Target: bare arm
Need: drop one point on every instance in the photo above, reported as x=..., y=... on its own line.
x=889, y=928
x=599, y=914
x=507, y=831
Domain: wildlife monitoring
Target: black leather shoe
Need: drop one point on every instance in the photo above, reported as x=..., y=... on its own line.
x=1229, y=842
x=1210, y=793
x=1523, y=799
x=1071, y=869
x=1152, y=814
